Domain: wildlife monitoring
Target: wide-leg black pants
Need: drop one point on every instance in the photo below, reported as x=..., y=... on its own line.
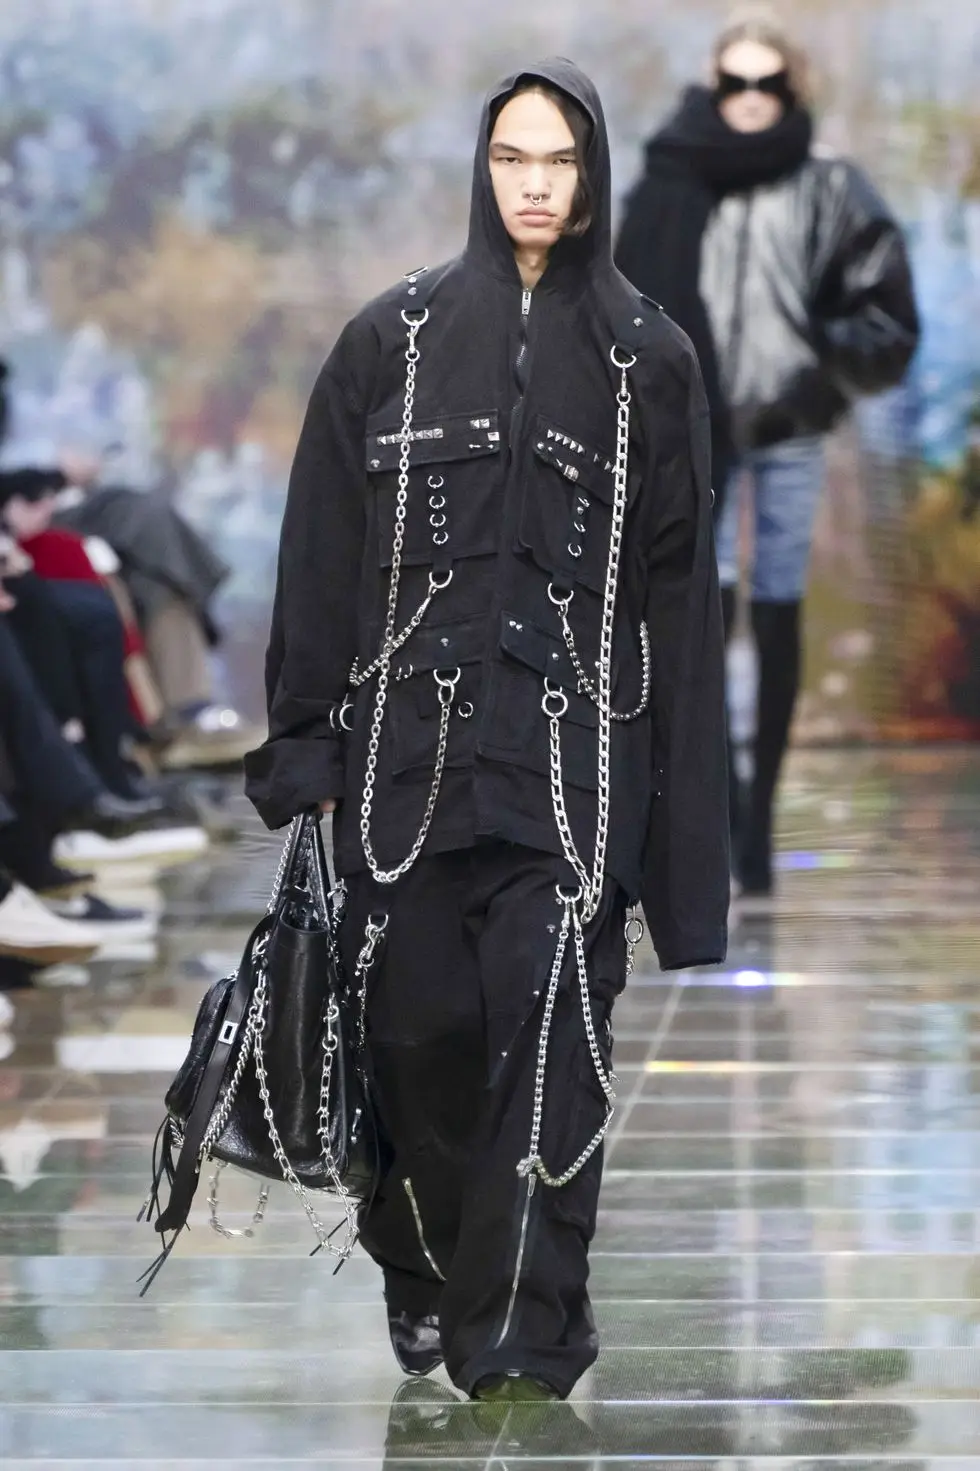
x=455, y=1005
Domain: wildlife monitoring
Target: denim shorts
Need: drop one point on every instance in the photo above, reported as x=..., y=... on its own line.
x=784, y=484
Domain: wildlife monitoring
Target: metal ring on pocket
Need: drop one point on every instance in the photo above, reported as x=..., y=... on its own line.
x=559, y=602
x=440, y=538
x=436, y=482
x=437, y=521
x=447, y=685
x=434, y=583
x=466, y=710
x=574, y=550
x=615, y=360
x=437, y=502
x=557, y=695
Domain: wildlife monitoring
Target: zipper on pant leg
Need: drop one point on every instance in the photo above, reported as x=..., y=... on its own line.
x=519, y=1265
x=410, y=1192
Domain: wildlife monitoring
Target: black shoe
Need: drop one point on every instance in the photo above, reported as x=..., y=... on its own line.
x=513, y=1388
x=416, y=1342
x=113, y=816
x=54, y=882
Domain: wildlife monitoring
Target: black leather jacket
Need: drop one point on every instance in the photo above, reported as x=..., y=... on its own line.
x=810, y=300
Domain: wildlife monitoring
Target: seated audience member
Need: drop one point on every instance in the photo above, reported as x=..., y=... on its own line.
x=172, y=576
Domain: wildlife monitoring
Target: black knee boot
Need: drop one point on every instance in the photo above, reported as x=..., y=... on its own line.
x=735, y=793
x=776, y=627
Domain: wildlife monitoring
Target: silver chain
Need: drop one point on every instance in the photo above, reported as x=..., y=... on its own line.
x=634, y=934
x=324, y=1242
x=534, y=1164
x=586, y=683
x=382, y=665
x=555, y=703
x=228, y=1232
x=373, y=934
x=358, y=676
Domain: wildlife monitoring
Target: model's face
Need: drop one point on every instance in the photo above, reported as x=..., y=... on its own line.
x=751, y=110
x=534, y=170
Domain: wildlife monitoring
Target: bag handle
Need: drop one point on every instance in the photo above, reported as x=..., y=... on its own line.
x=304, y=863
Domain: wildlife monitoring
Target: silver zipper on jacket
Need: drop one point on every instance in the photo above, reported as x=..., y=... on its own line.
x=410, y=1192
x=522, y=350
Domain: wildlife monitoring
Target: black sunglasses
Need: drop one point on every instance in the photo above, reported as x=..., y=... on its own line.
x=776, y=84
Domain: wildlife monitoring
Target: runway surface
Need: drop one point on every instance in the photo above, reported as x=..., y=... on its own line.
x=786, y=1271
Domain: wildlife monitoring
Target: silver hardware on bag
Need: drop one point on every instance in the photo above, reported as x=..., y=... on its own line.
x=228, y=1033
x=377, y=925
x=229, y=1232
x=251, y=1047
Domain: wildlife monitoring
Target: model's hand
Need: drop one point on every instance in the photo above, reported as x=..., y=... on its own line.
x=329, y=806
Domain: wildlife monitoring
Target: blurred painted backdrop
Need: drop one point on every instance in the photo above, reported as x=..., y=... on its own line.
x=194, y=194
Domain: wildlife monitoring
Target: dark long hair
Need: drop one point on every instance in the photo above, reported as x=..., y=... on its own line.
x=580, y=126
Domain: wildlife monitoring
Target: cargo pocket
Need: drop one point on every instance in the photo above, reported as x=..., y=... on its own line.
x=414, y=708
x=451, y=514
x=566, y=514
x=517, y=730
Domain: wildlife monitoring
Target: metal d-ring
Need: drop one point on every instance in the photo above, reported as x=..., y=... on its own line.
x=556, y=697
x=348, y=705
x=434, y=584
x=564, y=602
x=417, y=320
x=568, y=894
x=615, y=360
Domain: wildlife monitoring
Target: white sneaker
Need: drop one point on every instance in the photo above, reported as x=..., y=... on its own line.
x=28, y=929
x=7, y=1012
x=165, y=847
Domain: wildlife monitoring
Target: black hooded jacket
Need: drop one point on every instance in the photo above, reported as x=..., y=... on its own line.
x=513, y=444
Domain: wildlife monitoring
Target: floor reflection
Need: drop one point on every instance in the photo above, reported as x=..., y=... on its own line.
x=786, y=1270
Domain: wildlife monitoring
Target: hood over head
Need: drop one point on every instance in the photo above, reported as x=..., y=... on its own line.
x=489, y=245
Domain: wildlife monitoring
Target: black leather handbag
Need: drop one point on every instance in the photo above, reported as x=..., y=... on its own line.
x=275, y=1079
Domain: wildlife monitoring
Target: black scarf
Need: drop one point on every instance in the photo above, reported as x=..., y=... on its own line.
x=692, y=163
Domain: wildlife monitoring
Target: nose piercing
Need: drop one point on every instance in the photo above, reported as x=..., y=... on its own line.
x=536, y=199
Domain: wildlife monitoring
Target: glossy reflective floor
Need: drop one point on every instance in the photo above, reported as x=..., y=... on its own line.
x=786, y=1272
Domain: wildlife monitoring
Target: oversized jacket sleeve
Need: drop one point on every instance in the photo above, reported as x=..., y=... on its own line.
x=312, y=643
x=865, y=317
x=686, y=874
